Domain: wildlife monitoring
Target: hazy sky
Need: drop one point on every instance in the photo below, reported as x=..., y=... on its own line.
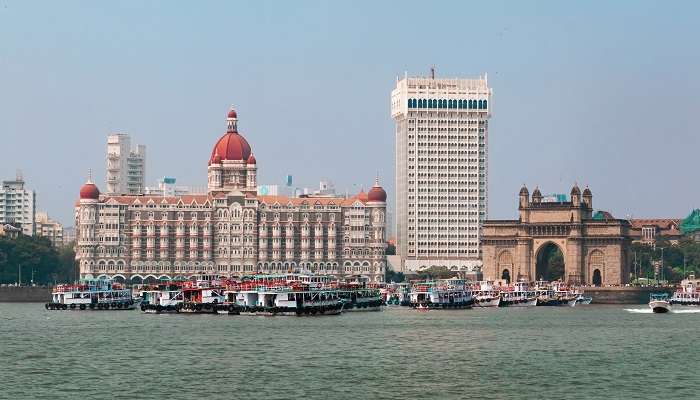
x=602, y=93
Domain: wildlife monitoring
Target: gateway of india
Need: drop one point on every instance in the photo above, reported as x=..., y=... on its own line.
x=595, y=250
x=230, y=230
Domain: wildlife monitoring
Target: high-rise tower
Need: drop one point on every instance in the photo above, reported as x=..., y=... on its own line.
x=441, y=169
x=126, y=166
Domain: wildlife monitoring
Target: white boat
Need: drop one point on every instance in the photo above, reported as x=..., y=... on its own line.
x=443, y=293
x=92, y=294
x=688, y=294
x=518, y=295
x=163, y=298
x=659, y=304
x=486, y=295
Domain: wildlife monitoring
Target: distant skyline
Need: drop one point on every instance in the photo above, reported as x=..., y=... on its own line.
x=599, y=93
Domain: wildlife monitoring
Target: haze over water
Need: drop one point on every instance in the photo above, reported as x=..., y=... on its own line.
x=584, y=352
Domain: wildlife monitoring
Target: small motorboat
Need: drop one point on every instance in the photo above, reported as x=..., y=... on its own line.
x=659, y=304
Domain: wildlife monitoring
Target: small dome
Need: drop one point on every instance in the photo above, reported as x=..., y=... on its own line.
x=575, y=190
x=376, y=193
x=362, y=196
x=251, y=159
x=524, y=191
x=89, y=191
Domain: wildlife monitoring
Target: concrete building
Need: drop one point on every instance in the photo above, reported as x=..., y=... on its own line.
x=18, y=205
x=230, y=230
x=48, y=228
x=441, y=139
x=126, y=165
x=594, y=251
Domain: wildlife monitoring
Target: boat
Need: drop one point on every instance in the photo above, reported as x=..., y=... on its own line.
x=398, y=294
x=518, y=294
x=581, y=299
x=688, y=293
x=486, y=295
x=204, y=295
x=659, y=304
x=293, y=294
x=163, y=298
x=92, y=294
x=359, y=297
x=442, y=294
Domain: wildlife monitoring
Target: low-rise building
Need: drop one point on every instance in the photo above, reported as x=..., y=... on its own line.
x=48, y=228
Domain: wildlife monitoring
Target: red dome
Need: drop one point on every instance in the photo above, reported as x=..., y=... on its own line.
x=89, y=191
x=251, y=159
x=231, y=146
x=377, y=193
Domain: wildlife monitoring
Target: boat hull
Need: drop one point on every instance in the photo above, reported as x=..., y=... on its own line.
x=113, y=306
x=660, y=307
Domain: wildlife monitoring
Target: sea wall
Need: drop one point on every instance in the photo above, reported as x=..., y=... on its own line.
x=24, y=294
x=623, y=295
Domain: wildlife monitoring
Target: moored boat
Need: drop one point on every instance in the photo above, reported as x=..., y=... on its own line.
x=688, y=294
x=659, y=304
x=486, y=295
x=92, y=294
x=442, y=294
x=518, y=295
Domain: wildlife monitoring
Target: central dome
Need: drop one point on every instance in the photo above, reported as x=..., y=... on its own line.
x=232, y=146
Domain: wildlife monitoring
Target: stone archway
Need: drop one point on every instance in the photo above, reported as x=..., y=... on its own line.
x=550, y=263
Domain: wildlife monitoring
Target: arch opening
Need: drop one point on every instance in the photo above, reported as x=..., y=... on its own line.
x=550, y=263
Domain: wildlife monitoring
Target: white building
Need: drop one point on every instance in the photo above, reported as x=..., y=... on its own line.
x=441, y=170
x=230, y=230
x=126, y=165
x=46, y=227
x=18, y=205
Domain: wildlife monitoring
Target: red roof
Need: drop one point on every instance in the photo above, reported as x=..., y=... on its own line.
x=231, y=146
x=89, y=191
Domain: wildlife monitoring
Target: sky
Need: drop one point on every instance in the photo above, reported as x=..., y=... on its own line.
x=597, y=93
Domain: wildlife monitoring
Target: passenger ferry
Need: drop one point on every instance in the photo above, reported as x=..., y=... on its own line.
x=688, y=293
x=291, y=294
x=486, y=295
x=204, y=295
x=92, y=294
x=398, y=294
x=359, y=297
x=162, y=298
x=518, y=295
x=441, y=294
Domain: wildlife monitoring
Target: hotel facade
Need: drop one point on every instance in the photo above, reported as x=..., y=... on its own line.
x=230, y=230
x=441, y=147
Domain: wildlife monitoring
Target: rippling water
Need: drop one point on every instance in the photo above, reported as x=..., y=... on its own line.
x=538, y=353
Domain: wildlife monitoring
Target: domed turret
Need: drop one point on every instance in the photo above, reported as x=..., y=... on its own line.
x=376, y=193
x=232, y=146
x=89, y=191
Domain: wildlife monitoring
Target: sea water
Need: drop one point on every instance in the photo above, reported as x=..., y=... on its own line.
x=585, y=352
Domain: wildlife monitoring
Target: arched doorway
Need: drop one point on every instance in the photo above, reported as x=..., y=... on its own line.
x=506, y=276
x=597, y=279
x=550, y=263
